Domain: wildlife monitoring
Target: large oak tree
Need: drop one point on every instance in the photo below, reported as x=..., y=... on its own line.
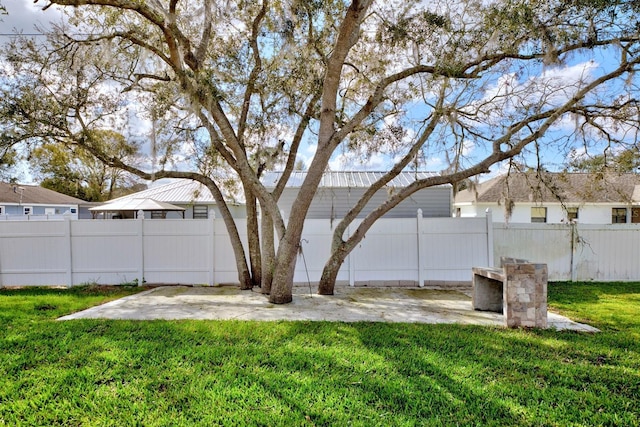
x=242, y=86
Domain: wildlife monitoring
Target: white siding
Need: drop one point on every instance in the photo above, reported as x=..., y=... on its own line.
x=587, y=214
x=334, y=203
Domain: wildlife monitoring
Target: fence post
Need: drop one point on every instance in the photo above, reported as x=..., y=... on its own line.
x=212, y=247
x=489, y=219
x=419, y=231
x=573, y=274
x=141, y=240
x=69, y=249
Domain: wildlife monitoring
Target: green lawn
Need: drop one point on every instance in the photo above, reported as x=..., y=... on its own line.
x=161, y=373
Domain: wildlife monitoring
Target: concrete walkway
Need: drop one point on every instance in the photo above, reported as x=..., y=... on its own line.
x=349, y=304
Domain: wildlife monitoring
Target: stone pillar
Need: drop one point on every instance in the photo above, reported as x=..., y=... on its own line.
x=525, y=295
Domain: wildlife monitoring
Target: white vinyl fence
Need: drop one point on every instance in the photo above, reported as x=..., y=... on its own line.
x=395, y=252
x=577, y=252
x=400, y=251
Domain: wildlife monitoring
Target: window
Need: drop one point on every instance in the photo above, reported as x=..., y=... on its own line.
x=27, y=210
x=1, y=210
x=200, y=212
x=50, y=211
x=572, y=214
x=635, y=215
x=619, y=215
x=158, y=214
x=538, y=214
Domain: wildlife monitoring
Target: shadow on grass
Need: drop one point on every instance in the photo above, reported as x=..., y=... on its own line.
x=296, y=373
x=309, y=373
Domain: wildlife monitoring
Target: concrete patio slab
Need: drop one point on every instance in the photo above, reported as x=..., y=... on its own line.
x=349, y=304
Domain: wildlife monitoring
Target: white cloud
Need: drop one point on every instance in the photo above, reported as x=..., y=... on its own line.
x=24, y=15
x=467, y=147
x=350, y=161
x=435, y=164
x=552, y=87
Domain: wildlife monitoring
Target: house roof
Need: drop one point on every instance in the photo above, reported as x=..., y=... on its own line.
x=180, y=191
x=136, y=204
x=553, y=187
x=346, y=179
x=35, y=195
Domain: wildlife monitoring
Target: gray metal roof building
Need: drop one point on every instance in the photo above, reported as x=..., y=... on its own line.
x=339, y=191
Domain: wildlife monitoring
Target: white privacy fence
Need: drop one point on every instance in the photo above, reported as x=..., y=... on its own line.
x=578, y=252
x=395, y=252
x=400, y=251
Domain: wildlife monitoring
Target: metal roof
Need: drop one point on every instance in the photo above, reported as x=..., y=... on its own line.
x=347, y=179
x=181, y=191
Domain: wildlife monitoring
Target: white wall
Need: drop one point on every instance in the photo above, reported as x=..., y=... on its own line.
x=587, y=214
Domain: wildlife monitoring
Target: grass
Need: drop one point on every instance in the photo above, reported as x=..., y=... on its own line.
x=160, y=373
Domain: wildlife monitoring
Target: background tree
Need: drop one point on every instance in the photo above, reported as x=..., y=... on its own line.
x=76, y=172
x=626, y=161
x=248, y=82
x=7, y=162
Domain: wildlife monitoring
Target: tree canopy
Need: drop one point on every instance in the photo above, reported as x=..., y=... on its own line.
x=234, y=88
x=626, y=161
x=77, y=173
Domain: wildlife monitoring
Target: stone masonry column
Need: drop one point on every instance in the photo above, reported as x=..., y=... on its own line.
x=525, y=295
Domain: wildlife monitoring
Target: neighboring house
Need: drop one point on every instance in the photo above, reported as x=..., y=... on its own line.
x=339, y=191
x=17, y=200
x=194, y=197
x=554, y=198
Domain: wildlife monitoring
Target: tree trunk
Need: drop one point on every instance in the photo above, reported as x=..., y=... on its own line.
x=244, y=275
x=268, y=252
x=330, y=271
x=253, y=237
x=282, y=286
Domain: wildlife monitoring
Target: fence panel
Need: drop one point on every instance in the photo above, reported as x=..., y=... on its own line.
x=452, y=246
x=540, y=243
x=388, y=252
x=223, y=257
x=609, y=253
x=33, y=253
x=105, y=252
x=177, y=251
x=316, y=246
